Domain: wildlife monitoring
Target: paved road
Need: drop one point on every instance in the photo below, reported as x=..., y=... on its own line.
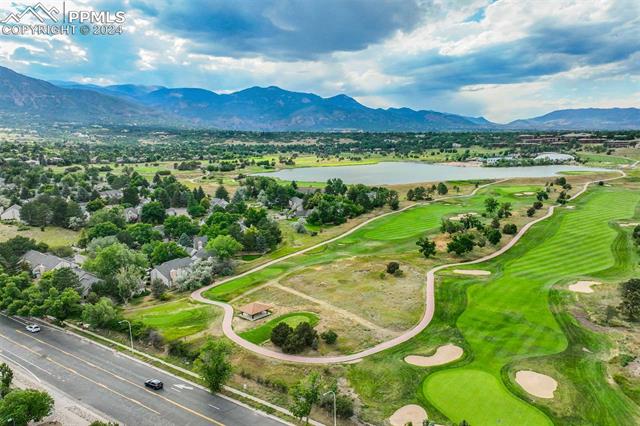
x=227, y=322
x=114, y=384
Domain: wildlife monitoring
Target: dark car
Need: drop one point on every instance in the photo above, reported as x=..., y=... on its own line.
x=154, y=384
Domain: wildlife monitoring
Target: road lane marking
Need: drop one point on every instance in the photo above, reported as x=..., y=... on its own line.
x=2, y=354
x=213, y=406
x=97, y=367
x=71, y=370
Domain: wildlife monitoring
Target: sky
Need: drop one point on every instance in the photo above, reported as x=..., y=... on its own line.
x=504, y=59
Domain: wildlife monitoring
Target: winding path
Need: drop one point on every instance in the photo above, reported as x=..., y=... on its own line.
x=407, y=335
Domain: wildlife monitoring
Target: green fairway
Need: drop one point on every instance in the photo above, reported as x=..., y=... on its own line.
x=177, y=319
x=508, y=319
x=262, y=333
x=396, y=233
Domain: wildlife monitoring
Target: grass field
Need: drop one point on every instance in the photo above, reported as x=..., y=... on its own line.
x=396, y=233
x=262, y=333
x=177, y=319
x=508, y=319
x=53, y=236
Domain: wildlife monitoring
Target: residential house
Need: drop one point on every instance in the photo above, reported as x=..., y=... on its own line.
x=44, y=262
x=176, y=211
x=12, y=213
x=219, y=202
x=132, y=214
x=87, y=280
x=168, y=272
x=111, y=194
x=296, y=208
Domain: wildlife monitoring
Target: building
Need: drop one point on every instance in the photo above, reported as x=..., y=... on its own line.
x=111, y=194
x=131, y=214
x=44, y=262
x=168, y=272
x=176, y=211
x=12, y=213
x=39, y=263
x=254, y=311
x=219, y=202
x=296, y=208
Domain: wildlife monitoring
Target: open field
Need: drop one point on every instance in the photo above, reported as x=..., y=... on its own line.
x=262, y=333
x=53, y=236
x=177, y=319
x=508, y=318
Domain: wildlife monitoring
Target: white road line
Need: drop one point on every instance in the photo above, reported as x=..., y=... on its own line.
x=213, y=406
x=13, y=361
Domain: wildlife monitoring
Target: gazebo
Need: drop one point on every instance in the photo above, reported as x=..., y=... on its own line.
x=254, y=311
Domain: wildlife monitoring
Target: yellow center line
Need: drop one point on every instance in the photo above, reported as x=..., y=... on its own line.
x=97, y=367
x=71, y=370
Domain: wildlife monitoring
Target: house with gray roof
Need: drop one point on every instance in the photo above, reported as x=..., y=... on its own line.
x=44, y=262
x=12, y=213
x=219, y=202
x=168, y=272
x=87, y=280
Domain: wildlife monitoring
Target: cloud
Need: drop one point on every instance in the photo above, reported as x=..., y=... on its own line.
x=286, y=29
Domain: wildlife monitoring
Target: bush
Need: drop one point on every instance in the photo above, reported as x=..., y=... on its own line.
x=510, y=229
x=182, y=350
x=392, y=267
x=329, y=337
x=280, y=333
x=531, y=211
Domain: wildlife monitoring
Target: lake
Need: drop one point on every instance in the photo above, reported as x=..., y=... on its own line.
x=410, y=172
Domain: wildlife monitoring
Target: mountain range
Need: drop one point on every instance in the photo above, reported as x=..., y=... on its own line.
x=26, y=99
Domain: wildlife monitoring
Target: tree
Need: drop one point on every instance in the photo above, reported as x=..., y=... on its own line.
x=158, y=289
x=62, y=305
x=461, y=244
x=427, y=247
x=329, y=337
x=630, y=292
x=224, y=246
x=6, y=377
x=280, y=333
x=392, y=267
x=491, y=205
x=60, y=279
x=335, y=187
x=221, y=192
x=303, y=395
x=153, y=212
x=494, y=236
x=112, y=258
x=505, y=210
x=128, y=282
x=160, y=252
x=130, y=196
x=509, y=229
x=24, y=406
x=100, y=314
x=531, y=211
x=442, y=188
x=175, y=226
x=213, y=364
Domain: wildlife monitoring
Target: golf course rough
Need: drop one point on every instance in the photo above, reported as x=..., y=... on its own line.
x=508, y=319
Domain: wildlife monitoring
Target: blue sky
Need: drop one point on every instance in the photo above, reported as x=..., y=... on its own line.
x=500, y=59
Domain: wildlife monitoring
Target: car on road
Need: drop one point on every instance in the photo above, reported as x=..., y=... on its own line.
x=154, y=384
x=33, y=328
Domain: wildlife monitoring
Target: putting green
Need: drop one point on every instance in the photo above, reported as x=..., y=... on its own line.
x=487, y=401
x=508, y=318
x=262, y=333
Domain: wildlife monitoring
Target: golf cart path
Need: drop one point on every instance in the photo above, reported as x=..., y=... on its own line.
x=407, y=335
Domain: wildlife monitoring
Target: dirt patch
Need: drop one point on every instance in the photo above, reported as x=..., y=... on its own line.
x=634, y=367
x=537, y=384
x=583, y=286
x=474, y=272
x=462, y=215
x=411, y=413
x=444, y=355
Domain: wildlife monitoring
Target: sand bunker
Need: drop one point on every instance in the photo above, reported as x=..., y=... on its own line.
x=522, y=194
x=462, y=215
x=628, y=225
x=583, y=286
x=570, y=207
x=444, y=354
x=537, y=384
x=475, y=272
x=409, y=413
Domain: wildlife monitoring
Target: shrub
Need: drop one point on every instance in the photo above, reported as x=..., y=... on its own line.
x=392, y=267
x=329, y=337
x=510, y=229
x=280, y=333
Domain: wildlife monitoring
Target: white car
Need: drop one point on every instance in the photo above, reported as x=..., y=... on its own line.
x=33, y=328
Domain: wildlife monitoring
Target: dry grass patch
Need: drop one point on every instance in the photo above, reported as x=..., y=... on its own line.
x=361, y=286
